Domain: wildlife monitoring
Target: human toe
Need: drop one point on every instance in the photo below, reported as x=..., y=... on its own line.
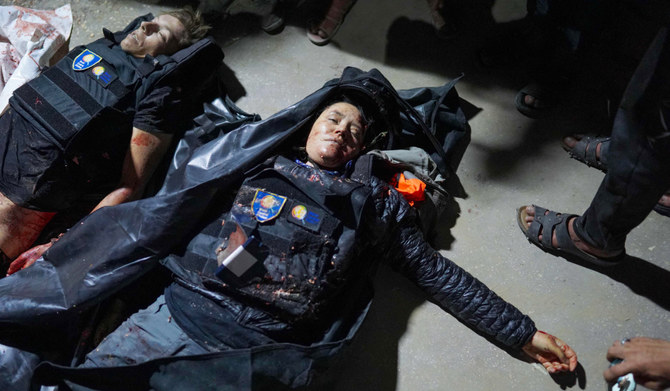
x=570, y=141
x=665, y=199
x=535, y=102
x=530, y=100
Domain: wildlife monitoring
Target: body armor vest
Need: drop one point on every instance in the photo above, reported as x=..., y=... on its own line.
x=85, y=104
x=305, y=225
x=64, y=101
x=101, y=82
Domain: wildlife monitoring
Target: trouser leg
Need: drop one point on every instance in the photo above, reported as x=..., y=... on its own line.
x=639, y=156
x=149, y=334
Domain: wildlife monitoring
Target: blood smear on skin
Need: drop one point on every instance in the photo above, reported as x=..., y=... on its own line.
x=142, y=140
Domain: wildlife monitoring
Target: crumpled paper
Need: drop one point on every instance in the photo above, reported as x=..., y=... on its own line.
x=29, y=39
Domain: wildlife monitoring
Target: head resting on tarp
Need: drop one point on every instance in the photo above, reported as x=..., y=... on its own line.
x=346, y=124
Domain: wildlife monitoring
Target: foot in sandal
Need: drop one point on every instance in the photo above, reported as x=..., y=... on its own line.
x=536, y=222
x=321, y=32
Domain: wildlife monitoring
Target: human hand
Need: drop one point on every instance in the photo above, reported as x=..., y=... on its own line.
x=28, y=257
x=647, y=358
x=554, y=354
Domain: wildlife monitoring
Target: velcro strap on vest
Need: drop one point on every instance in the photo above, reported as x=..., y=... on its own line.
x=40, y=108
x=73, y=90
x=61, y=105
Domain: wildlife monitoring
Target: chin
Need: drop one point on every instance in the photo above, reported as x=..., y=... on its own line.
x=126, y=46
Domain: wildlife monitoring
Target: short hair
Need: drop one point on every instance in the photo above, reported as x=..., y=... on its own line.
x=193, y=23
x=370, y=114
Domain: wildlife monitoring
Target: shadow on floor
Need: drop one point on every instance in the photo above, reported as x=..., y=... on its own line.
x=642, y=277
x=371, y=361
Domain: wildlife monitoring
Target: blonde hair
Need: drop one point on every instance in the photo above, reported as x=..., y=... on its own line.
x=193, y=23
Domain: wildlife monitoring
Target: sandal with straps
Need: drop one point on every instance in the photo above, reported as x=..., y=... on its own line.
x=319, y=35
x=545, y=223
x=585, y=151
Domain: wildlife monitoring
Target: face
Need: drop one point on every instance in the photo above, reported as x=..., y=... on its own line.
x=337, y=136
x=158, y=36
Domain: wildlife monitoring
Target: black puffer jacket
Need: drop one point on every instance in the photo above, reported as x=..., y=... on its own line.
x=402, y=244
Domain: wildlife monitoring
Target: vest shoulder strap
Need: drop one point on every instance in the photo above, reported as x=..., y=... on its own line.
x=193, y=63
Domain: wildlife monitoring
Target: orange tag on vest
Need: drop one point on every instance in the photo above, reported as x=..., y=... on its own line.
x=412, y=189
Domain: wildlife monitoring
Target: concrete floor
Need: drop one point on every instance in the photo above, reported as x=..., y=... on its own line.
x=407, y=342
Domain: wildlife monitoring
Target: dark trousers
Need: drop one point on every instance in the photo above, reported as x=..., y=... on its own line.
x=638, y=157
x=577, y=20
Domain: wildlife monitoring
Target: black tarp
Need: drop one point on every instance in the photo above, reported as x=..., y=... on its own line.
x=116, y=246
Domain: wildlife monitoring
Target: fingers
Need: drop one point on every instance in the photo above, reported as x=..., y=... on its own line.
x=555, y=346
x=554, y=354
x=570, y=355
x=549, y=365
x=29, y=262
x=16, y=265
x=615, y=371
x=27, y=258
x=553, y=367
x=615, y=351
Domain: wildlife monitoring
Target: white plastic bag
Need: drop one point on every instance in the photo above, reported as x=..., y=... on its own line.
x=29, y=38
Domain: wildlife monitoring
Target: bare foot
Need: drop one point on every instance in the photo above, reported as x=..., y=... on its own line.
x=576, y=240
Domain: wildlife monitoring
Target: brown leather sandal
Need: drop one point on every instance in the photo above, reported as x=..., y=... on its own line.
x=317, y=33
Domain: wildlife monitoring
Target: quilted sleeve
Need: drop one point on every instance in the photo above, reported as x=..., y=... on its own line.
x=451, y=287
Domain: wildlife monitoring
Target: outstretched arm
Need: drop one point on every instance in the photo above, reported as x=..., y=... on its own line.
x=460, y=293
x=647, y=358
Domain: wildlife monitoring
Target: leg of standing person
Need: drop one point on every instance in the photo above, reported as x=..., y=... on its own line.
x=638, y=173
x=570, y=28
x=639, y=165
x=320, y=32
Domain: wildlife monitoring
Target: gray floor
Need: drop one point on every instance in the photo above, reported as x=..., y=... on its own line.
x=408, y=343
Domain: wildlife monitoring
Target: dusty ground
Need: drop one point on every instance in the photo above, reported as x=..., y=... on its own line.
x=408, y=343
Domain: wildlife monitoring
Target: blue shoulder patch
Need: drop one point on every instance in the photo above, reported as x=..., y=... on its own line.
x=85, y=60
x=266, y=206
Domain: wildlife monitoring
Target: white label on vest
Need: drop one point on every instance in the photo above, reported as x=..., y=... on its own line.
x=240, y=260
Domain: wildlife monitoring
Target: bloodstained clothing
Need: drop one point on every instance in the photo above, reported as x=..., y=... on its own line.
x=325, y=234
x=61, y=140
